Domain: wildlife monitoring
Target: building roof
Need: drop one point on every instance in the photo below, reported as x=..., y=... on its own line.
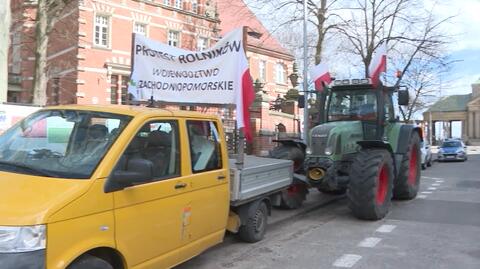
x=477, y=82
x=451, y=103
x=235, y=13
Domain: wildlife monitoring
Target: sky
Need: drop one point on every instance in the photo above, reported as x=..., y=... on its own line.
x=464, y=49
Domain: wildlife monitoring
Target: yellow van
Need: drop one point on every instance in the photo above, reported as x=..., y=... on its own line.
x=118, y=187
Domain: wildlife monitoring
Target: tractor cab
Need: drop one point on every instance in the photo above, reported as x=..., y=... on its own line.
x=359, y=100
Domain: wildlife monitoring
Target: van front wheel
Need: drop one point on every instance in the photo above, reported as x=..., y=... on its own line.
x=90, y=262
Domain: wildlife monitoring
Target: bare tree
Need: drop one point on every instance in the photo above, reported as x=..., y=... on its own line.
x=417, y=43
x=321, y=16
x=48, y=13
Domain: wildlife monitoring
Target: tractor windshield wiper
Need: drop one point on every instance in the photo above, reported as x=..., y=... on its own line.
x=33, y=170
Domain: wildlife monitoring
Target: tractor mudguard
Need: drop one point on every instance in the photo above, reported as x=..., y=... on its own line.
x=292, y=142
x=404, y=137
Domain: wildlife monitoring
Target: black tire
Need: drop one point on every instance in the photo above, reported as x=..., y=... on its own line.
x=332, y=192
x=293, y=197
x=408, y=180
x=90, y=262
x=256, y=223
x=369, y=192
x=290, y=152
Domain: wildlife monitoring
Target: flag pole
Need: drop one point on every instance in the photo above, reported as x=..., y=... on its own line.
x=305, y=66
x=241, y=133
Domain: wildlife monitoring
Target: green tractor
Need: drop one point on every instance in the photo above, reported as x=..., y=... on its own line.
x=357, y=147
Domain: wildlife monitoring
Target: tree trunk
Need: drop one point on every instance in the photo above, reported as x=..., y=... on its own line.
x=4, y=35
x=40, y=78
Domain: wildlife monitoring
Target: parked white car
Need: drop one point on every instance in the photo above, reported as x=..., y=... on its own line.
x=426, y=154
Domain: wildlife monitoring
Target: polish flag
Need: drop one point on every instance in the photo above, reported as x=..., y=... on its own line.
x=378, y=64
x=245, y=97
x=319, y=74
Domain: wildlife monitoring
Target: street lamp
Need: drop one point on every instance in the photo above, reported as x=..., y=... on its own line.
x=258, y=86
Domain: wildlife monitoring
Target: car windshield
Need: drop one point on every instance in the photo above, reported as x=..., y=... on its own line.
x=60, y=143
x=451, y=144
x=352, y=105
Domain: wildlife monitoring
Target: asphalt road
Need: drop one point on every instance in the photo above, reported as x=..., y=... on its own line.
x=439, y=229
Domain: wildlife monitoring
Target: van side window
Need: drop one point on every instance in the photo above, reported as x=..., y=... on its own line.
x=204, y=145
x=154, y=151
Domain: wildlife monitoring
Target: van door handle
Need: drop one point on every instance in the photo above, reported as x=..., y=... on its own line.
x=180, y=186
x=221, y=177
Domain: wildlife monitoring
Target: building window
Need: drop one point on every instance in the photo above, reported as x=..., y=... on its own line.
x=262, y=70
x=178, y=4
x=173, y=38
x=56, y=91
x=202, y=44
x=166, y=2
x=140, y=28
x=280, y=74
x=119, y=82
x=114, y=89
x=16, y=52
x=102, y=30
x=194, y=6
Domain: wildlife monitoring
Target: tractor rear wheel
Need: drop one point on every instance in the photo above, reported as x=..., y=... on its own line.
x=371, y=181
x=408, y=180
x=289, y=152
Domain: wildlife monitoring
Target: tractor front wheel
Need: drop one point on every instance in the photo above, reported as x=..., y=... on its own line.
x=408, y=180
x=371, y=181
x=293, y=197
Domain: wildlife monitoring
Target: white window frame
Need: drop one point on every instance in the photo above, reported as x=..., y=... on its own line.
x=205, y=45
x=166, y=2
x=178, y=38
x=135, y=23
x=280, y=73
x=195, y=6
x=178, y=4
x=262, y=72
x=109, y=31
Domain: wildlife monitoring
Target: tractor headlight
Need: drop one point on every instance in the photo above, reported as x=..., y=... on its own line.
x=329, y=150
x=308, y=151
x=22, y=239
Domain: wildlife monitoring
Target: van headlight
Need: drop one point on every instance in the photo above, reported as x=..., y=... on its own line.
x=22, y=239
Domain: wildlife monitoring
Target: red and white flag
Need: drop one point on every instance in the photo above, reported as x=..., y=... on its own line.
x=245, y=98
x=320, y=75
x=378, y=64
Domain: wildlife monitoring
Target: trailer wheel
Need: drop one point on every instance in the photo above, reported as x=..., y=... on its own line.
x=90, y=262
x=289, y=152
x=370, y=188
x=293, y=197
x=255, y=226
x=408, y=180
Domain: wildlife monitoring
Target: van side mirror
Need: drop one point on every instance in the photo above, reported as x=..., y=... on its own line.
x=139, y=171
x=301, y=101
x=403, y=97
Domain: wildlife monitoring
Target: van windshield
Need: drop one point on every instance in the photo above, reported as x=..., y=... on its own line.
x=60, y=143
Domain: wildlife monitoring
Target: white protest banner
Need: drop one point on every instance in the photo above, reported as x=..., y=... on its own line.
x=219, y=75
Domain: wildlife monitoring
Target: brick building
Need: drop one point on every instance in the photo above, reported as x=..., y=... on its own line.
x=89, y=50
x=89, y=53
